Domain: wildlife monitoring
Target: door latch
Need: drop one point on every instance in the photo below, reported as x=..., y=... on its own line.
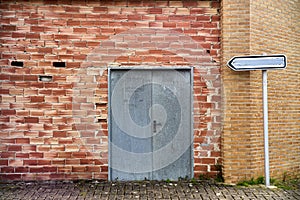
x=154, y=126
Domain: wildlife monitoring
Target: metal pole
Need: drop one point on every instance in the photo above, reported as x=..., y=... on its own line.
x=266, y=134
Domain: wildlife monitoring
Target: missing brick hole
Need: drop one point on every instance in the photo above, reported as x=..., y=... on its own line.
x=207, y=51
x=59, y=64
x=17, y=63
x=100, y=105
x=45, y=78
x=100, y=120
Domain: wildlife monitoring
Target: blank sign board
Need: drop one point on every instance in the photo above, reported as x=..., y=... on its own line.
x=260, y=62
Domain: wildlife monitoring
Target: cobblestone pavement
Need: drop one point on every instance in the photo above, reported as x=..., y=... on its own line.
x=205, y=190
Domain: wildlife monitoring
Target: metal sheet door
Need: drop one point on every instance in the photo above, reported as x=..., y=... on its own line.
x=150, y=124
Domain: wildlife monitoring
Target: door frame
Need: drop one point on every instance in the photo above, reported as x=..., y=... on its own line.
x=191, y=71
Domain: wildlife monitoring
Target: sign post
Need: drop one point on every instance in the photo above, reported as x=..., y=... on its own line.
x=266, y=125
x=264, y=63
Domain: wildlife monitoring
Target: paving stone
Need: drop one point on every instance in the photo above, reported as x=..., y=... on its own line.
x=139, y=190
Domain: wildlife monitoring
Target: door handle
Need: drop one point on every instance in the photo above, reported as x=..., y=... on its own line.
x=154, y=126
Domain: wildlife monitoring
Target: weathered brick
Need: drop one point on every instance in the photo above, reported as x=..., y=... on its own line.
x=200, y=168
x=22, y=155
x=22, y=140
x=3, y=162
x=37, y=99
x=31, y=120
x=14, y=148
x=36, y=155
x=59, y=133
x=7, y=170
x=7, y=154
x=21, y=169
x=8, y=112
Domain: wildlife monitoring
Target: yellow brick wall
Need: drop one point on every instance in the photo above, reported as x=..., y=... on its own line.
x=236, y=134
x=253, y=28
x=274, y=29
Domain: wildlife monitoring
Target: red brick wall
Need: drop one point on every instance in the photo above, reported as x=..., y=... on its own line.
x=57, y=129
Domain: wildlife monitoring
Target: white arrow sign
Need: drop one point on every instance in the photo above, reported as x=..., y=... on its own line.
x=259, y=62
x=264, y=63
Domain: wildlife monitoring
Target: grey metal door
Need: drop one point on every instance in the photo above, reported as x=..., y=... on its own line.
x=150, y=124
